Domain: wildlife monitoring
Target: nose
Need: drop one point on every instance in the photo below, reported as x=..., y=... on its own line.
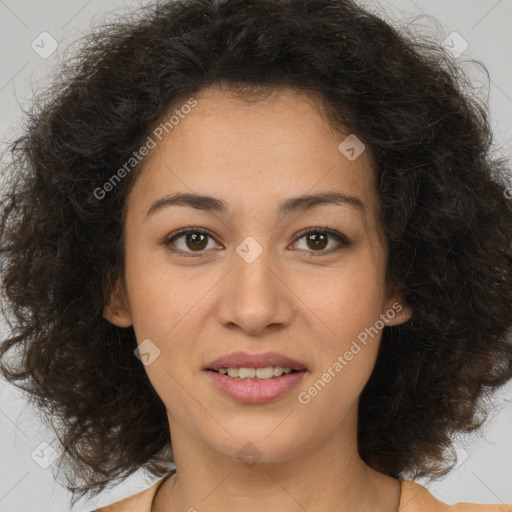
x=255, y=297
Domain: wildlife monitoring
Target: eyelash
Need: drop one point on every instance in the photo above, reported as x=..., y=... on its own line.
x=342, y=239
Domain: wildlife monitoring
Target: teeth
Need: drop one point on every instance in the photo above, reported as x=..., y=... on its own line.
x=267, y=373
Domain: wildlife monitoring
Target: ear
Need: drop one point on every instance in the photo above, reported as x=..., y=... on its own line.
x=116, y=310
x=396, y=311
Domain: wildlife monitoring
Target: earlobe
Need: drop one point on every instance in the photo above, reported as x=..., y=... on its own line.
x=397, y=311
x=397, y=314
x=116, y=310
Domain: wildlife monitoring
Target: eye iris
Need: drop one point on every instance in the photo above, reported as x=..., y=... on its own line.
x=315, y=238
x=199, y=240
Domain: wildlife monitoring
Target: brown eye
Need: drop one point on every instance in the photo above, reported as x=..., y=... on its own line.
x=318, y=239
x=196, y=241
x=189, y=241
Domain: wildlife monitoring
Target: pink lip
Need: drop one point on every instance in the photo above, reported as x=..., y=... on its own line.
x=255, y=391
x=247, y=360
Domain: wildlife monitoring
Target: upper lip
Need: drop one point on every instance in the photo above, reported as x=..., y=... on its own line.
x=247, y=360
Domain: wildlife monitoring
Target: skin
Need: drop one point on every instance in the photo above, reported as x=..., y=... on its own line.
x=291, y=299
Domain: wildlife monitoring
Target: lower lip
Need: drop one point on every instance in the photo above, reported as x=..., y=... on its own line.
x=255, y=391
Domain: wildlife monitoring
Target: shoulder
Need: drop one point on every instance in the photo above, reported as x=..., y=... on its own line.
x=140, y=502
x=415, y=498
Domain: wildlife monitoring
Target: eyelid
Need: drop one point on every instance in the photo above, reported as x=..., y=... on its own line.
x=185, y=231
x=343, y=240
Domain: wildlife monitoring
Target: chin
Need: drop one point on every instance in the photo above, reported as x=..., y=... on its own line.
x=262, y=443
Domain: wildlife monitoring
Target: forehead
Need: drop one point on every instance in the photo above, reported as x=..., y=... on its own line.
x=252, y=152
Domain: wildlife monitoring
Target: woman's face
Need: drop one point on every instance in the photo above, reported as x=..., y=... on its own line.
x=255, y=283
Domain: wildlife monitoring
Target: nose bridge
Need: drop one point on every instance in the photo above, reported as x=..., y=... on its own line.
x=256, y=298
x=252, y=266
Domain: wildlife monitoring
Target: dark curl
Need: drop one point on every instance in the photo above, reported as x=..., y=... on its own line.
x=446, y=216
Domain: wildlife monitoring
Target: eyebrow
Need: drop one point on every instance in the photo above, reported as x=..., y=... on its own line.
x=293, y=204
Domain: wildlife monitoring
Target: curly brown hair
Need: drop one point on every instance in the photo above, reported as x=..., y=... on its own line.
x=447, y=220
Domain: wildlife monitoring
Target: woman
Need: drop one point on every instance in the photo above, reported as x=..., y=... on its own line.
x=270, y=236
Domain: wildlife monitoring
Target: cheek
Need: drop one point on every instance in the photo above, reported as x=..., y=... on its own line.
x=346, y=302
x=347, y=311
x=345, y=350
x=163, y=299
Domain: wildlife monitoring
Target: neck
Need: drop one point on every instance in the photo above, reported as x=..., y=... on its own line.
x=317, y=478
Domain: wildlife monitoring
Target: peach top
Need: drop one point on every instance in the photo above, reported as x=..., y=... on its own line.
x=413, y=498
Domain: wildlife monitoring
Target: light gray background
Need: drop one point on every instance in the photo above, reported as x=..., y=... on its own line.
x=486, y=474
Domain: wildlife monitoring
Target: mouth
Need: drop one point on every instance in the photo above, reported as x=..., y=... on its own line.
x=265, y=373
x=263, y=365
x=253, y=390
x=255, y=378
